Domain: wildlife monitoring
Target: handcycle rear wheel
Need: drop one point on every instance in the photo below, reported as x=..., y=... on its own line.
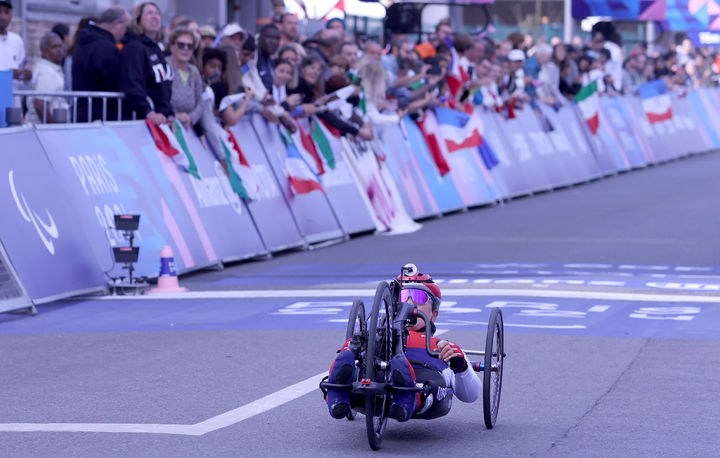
x=378, y=351
x=356, y=327
x=493, y=367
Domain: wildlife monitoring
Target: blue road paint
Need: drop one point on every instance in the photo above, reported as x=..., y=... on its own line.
x=522, y=315
x=657, y=277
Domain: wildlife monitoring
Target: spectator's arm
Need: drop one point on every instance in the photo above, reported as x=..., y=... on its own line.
x=197, y=112
x=340, y=124
x=133, y=78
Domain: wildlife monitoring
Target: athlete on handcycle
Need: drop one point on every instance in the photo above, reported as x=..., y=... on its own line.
x=416, y=367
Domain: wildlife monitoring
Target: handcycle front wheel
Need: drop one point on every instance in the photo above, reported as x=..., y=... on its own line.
x=377, y=356
x=493, y=367
x=356, y=328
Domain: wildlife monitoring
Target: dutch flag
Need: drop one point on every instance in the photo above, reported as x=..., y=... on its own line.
x=656, y=101
x=459, y=129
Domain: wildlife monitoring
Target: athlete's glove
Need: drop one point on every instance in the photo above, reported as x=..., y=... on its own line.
x=453, y=355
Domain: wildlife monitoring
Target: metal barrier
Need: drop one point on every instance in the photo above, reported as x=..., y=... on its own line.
x=73, y=97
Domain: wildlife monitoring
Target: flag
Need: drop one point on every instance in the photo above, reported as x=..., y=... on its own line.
x=180, y=136
x=302, y=179
x=308, y=145
x=167, y=142
x=459, y=129
x=242, y=178
x=433, y=147
x=656, y=101
x=589, y=104
x=322, y=143
x=457, y=75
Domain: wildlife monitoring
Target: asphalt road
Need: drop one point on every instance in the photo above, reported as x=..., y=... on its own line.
x=611, y=293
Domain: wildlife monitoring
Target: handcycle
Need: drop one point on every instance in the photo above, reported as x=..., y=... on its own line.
x=377, y=339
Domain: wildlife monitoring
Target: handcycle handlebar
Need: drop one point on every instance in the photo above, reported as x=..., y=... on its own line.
x=408, y=314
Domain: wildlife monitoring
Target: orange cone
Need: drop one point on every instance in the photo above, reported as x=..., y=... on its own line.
x=167, y=280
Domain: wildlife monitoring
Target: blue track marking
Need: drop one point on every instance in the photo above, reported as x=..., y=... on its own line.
x=522, y=315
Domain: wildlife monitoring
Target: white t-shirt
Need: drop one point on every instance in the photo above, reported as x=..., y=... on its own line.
x=47, y=77
x=12, y=52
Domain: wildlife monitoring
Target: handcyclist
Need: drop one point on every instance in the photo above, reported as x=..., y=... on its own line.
x=450, y=370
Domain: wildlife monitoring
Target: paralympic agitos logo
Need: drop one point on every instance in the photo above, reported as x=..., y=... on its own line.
x=47, y=231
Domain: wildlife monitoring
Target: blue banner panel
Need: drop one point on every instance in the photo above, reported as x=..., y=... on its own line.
x=615, y=9
x=442, y=188
x=213, y=205
x=706, y=118
x=342, y=190
x=535, y=150
x=690, y=127
x=6, y=90
x=47, y=244
x=620, y=127
x=270, y=210
x=515, y=179
x=603, y=157
x=569, y=140
x=107, y=171
x=312, y=211
x=405, y=170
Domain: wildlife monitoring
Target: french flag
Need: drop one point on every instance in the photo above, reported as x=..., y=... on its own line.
x=459, y=129
x=302, y=178
x=656, y=101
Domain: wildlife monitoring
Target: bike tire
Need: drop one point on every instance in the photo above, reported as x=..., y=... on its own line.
x=376, y=406
x=492, y=375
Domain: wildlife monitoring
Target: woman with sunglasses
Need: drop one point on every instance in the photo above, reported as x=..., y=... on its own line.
x=187, y=86
x=450, y=370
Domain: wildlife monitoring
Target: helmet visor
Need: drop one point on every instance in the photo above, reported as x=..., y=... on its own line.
x=418, y=296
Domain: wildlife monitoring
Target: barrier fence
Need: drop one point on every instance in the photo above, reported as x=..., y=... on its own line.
x=63, y=184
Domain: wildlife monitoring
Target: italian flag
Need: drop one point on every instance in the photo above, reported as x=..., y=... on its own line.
x=242, y=178
x=173, y=145
x=320, y=139
x=587, y=100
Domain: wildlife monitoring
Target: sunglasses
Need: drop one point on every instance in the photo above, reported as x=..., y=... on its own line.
x=183, y=45
x=418, y=296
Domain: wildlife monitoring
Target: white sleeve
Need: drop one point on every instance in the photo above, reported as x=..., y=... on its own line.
x=467, y=385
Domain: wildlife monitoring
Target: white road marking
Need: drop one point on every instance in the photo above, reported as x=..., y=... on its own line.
x=460, y=292
x=598, y=308
x=223, y=420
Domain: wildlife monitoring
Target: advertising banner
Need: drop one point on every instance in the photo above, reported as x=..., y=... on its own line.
x=50, y=249
x=708, y=119
x=213, y=205
x=269, y=209
x=535, y=150
x=603, y=157
x=619, y=126
x=337, y=180
x=104, y=176
x=690, y=126
x=312, y=211
x=442, y=188
x=570, y=141
x=406, y=173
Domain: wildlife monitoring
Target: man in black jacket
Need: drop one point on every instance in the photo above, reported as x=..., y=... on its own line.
x=96, y=63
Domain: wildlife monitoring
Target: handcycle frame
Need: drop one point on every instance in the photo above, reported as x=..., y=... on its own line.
x=383, y=335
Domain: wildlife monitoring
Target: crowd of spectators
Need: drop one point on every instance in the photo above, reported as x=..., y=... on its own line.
x=198, y=74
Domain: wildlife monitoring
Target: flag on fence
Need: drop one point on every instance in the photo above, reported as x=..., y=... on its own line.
x=433, y=146
x=459, y=129
x=457, y=75
x=589, y=104
x=242, y=178
x=308, y=145
x=322, y=143
x=167, y=142
x=302, y=179
x=656, y=100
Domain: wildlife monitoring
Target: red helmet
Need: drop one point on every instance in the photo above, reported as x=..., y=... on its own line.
x=410, y=274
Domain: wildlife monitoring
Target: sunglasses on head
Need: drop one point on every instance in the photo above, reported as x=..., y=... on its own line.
x=419, y=296
x=183, y=45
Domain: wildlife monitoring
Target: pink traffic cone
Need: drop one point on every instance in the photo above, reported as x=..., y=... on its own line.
x=167, y=280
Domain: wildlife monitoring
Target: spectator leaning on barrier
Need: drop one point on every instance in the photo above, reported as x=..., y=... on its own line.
x=145, y=77
x=48, y=76
x=12, y=48
x=213, y=71
x=96, y=62
x=268, y=44
x=288, y=28
x=187, y=87
x=207, y=36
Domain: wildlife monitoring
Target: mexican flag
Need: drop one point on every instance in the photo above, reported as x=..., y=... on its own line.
x=320, y=139
x=587, y=100
x=242, y=178
x=173, y=145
